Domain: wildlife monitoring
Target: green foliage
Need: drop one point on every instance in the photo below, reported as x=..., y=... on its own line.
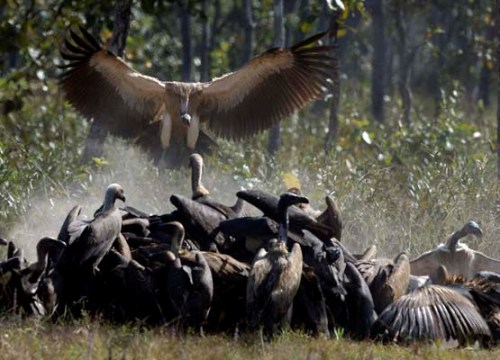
x=402, y=188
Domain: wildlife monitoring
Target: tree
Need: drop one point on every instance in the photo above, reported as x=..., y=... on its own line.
x=279, y=41
x=379, y=62
x=497, y=25
x=187, y=58
x=248, y=26
x=334, y=102
x=205, y=43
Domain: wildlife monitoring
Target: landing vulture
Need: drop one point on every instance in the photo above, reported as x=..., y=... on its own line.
x=174, y=115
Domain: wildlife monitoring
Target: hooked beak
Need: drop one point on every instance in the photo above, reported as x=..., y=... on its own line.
x=186, y=119
x=121, y=196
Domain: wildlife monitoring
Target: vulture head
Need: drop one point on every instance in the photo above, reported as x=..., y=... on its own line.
x=470, y=228
x=113, y=192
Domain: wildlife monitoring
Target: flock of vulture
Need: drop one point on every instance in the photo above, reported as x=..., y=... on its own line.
x=214, y=268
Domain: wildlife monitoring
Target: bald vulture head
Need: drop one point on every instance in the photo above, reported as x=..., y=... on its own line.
x=470, y=228
x=234, y=106
x=113, y=192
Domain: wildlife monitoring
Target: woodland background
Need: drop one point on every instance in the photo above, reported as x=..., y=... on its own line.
x=406, y=143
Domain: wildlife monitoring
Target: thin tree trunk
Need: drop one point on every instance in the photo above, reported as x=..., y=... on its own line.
x=333, y=123
x=497, y=25
x=485, y=74
x=378, y=60
x=279, y=41
x=94, y=144
x=304, y=14
x=288, y=8
x=439, y=43
x=404, y=64
x=205, y=43
x=249, y=26
x=186, y=43
x=214, y=29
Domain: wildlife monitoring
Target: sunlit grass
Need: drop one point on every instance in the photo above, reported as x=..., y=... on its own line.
x=95, y=340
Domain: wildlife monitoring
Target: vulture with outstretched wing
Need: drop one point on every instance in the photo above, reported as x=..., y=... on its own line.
x=177, y=116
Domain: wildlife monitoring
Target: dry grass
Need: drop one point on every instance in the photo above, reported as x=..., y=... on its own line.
x=93, y=340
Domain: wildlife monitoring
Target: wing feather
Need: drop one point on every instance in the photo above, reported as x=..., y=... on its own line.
x=270, y=87
x=104, y=87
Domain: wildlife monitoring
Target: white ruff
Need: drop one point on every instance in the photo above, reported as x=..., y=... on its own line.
x=460, y=247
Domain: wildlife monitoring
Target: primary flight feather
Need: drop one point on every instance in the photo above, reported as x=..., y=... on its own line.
x=126, y=103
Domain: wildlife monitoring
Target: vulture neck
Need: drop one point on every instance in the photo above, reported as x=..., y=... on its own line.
x=109, y=200
x=283, y=223
x=196, y=172
x=453, y=239
x=42, y=252
x=177, y=240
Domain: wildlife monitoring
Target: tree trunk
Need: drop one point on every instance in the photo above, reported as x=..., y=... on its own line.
x=214, y=29
x=288, y=8
x=304, y=14
x=437, y=14
x=378, y=60
x=333, y=123
x=205, y=44
x=497, y=25
x=485, y=75
x=94, y=144
x=248, y=26
x=279, y=41
x=404, y=63
x=186, y=42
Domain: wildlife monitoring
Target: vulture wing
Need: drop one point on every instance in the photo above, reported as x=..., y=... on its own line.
x=425, y=264
x=428, y=314
x=102, y=86
x=270, y=87
x=483, y=262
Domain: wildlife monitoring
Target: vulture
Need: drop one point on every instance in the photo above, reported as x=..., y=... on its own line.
x=432, y=313
x=299, y=219
x=73, y=215
x=180, y=116
x=88, y=243
x=229, y=281
x=275, y=276
x=483, y=289
x=90, y=240
x=388, y=279
x=202, y=195
x=189, y=282
x=458, y=258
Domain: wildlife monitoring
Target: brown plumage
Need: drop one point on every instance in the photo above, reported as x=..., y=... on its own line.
x=234, y=106
x=482, y=291
x=230, y=279
x=431, y=313
x=275, y=276
x=387, y=279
